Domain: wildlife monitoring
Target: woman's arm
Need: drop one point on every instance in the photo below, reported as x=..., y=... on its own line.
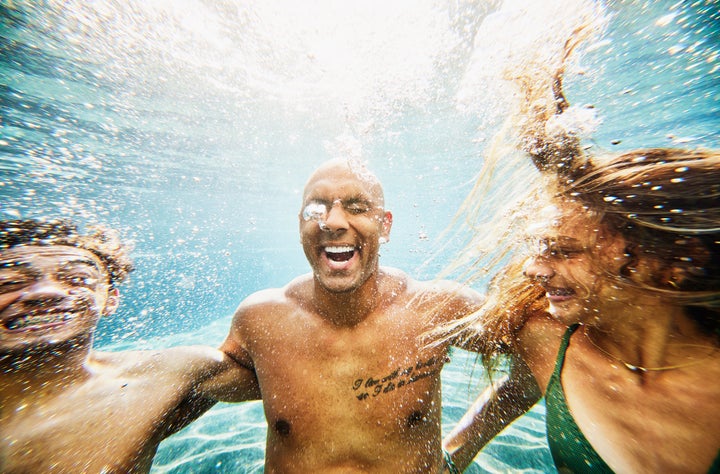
x=499, y=405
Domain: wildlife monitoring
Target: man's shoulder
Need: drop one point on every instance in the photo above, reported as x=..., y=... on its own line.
x=395, y=274
x=446, y=289
x=272, y=295
x=277, y=298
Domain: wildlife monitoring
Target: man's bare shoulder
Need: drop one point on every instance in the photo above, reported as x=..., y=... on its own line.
x=267, y=299
x=446, y=291
x=264, y=306
x=395, y=274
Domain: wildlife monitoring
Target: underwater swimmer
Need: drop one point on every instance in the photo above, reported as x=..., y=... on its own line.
x=348, y=382
x=64, y=407
x=614, y=318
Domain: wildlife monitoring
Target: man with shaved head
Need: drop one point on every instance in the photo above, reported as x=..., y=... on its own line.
x=348, y=380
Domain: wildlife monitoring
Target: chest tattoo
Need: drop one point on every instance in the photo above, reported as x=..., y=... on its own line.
x=365, y=387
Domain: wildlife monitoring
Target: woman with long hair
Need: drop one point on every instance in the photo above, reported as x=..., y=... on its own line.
x=613, y=315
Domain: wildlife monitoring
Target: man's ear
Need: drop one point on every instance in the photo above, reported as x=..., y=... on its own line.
x=386, y=226
x=112, y=301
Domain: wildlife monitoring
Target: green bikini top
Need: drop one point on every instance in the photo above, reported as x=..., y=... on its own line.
x=570, y=450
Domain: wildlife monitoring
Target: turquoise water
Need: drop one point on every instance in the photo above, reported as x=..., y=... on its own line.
x=192, y=125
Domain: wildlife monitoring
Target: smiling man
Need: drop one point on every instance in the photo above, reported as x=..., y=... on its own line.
x=64, y=407
x=348, y=380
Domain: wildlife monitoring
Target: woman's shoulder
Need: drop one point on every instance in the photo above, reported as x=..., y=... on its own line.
x=538, y=343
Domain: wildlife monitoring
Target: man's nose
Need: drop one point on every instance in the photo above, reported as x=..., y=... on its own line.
x=336, y=218
x=538, y=268
x=43, y=292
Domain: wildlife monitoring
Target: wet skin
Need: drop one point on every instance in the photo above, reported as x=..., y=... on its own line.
x=343, y=251
x=348, y=384
x=65, y=408
x=637, y=421
x=573, y=260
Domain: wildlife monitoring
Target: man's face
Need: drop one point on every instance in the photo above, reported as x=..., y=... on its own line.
x=50, y=295
x=341, y=223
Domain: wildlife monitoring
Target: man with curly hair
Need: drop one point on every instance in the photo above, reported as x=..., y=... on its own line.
x=65, y=407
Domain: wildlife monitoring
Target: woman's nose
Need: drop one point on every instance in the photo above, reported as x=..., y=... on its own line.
x=537, y=268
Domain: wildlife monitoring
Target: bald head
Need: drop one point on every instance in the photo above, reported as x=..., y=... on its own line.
x=346, y=168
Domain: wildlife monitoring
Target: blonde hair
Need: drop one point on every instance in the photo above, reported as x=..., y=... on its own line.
x=665, y=202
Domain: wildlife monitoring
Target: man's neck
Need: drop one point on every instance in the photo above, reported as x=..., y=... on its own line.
x=349, y=308
x=36, y=373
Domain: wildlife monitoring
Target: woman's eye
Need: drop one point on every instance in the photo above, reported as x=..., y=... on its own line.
x=564, y=252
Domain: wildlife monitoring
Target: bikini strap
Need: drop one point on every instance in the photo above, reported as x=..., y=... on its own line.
x=563, y=348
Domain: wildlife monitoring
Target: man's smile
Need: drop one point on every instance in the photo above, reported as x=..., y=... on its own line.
x=340, y=257
x=38, y=319
x=339, y=253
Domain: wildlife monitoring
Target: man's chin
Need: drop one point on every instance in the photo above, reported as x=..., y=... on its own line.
x=339, y=285
x=339, y=289
x=46, y=343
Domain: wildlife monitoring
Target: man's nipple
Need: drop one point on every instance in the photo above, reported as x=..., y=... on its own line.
x=282, y=427
x=415, y=419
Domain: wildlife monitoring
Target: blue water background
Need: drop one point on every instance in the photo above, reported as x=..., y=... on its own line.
x=108, y=119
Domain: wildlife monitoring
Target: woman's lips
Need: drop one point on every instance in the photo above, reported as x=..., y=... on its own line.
x=558, y=295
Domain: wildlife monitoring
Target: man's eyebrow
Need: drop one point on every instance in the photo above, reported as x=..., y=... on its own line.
x=22, y=264
x=355, y=198
x=25, y=264
x=358, y=198
x=79, y=261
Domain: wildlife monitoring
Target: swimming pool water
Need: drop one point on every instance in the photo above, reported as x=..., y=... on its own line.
x=191, y=126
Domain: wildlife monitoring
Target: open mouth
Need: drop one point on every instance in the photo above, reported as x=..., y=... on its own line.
x=340, y=253
x=33, y=321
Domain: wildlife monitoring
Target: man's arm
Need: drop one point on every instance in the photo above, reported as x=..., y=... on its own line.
x=204, y=376
x=498, y=406
x=226, y=380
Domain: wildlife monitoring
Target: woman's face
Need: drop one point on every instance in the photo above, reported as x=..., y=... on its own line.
x=577, y=262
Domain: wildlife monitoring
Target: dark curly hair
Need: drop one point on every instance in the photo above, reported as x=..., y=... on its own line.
x=105, y=243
